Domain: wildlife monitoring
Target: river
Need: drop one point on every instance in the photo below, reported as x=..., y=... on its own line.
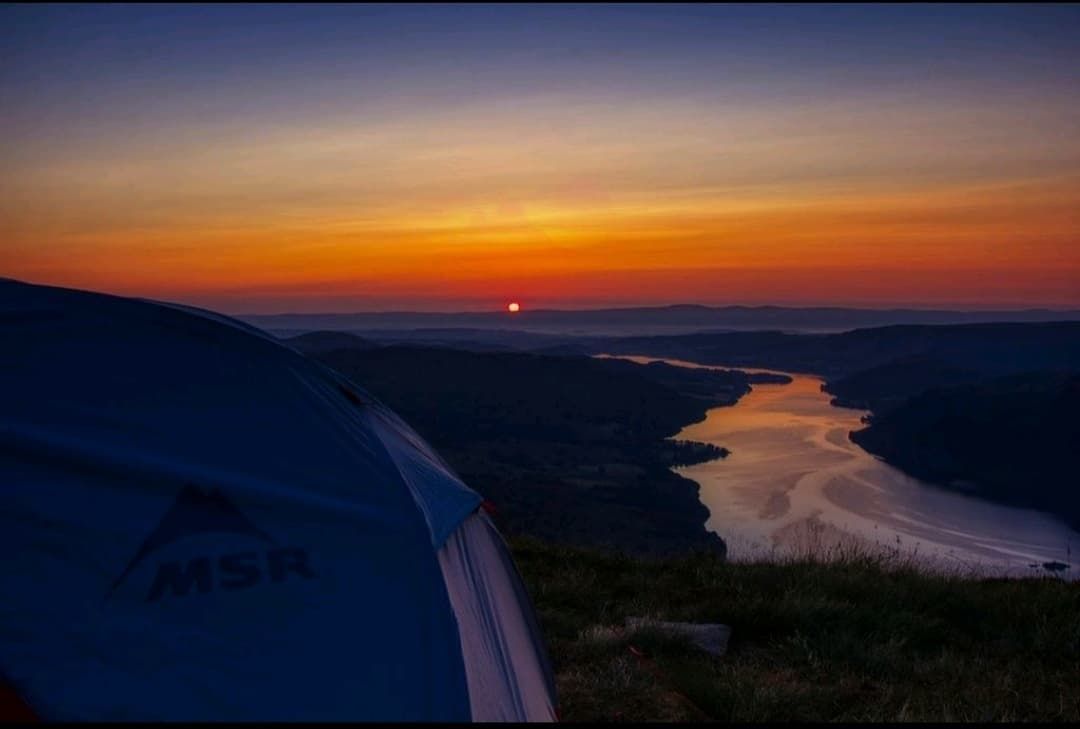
x=795, y=482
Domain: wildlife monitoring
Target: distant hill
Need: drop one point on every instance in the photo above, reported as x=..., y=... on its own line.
x=328, y=341
x=884, y=387
x=1013, y=439
x=476, y=340
x=990, y=348
x=715, y=386
x=678, y=319
x=570, y=449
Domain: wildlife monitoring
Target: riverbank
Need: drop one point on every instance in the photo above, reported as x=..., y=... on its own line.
x=1011, y=440
x=796, y=481
x=860, y=638
x=571, y=450
x=985, y=409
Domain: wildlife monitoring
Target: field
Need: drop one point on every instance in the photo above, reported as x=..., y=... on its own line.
x=852, y=638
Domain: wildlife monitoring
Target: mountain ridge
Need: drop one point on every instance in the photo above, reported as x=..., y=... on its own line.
x=675, y=318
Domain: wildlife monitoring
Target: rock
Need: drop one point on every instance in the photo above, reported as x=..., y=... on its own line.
x=709, y=637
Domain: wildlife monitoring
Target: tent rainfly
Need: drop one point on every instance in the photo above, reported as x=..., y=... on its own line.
x=200, y=523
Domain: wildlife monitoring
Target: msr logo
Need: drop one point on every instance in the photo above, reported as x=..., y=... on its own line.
x=199, y=512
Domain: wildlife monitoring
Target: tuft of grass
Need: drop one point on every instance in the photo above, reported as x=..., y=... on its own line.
x=856, y=636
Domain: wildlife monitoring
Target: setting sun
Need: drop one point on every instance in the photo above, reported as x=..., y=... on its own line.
x=513, y=307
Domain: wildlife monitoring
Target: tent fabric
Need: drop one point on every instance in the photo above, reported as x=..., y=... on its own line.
x=504, y=654
x=200, y=523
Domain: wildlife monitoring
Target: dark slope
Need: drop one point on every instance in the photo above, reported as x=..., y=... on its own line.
x=1012, y=439
x=569, y=449
x=328, y=341
x=887, y=386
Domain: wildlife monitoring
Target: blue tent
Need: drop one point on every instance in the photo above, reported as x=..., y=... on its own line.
x=200, y=523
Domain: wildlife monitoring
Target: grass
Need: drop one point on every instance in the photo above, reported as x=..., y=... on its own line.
x=855, y=637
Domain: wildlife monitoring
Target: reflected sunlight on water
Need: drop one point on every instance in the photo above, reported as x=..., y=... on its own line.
x=795, y=483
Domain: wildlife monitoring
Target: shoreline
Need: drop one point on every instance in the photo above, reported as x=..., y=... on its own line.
x=673, y=453
x=894, y=509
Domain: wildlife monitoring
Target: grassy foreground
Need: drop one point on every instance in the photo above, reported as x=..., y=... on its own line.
x=863, y=638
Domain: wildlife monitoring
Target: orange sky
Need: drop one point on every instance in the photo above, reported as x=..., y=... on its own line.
x=564, y=198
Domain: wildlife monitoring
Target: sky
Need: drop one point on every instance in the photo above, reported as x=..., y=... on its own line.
x=306, y=158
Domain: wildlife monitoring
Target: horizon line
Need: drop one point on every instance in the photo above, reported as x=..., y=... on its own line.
x=658, y=307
